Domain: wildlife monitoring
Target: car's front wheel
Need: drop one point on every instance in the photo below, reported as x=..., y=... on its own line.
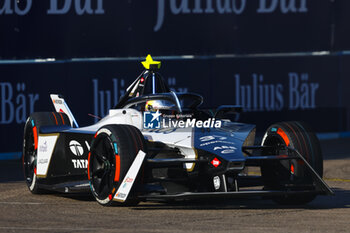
x=112, y=152
x=292, y=174
x=30, y=143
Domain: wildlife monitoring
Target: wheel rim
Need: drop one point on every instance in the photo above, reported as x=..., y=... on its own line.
x=102, y=166
x=282, y=169
x=30, y=155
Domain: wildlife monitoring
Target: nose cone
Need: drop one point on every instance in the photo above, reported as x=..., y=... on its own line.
x=225, y=142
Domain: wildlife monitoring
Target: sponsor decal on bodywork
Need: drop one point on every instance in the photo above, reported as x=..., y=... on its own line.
x=43, y=147
x=43, y=161
x=76, y=148
x=215, y=162
x=225, y=149
x=214, y=139
x=80, y=163
x=46, y=145
x=125, y=187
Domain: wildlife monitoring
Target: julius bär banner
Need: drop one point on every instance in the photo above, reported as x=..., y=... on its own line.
x=101, y=28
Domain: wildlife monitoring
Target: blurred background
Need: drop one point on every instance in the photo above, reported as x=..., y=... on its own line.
x=280, y=59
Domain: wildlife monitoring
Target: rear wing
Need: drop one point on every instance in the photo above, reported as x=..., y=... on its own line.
x=61, y=106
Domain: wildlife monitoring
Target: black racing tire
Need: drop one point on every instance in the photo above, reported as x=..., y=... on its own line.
x=30, y=143
x=112, y=152
x=275, y=175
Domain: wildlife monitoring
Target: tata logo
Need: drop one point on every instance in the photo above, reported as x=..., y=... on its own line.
x=80, y=163
x=151, y=120
x=76, y=148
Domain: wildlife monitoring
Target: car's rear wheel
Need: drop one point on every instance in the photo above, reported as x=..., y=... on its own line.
x=112, y=152
x=30, y=143
x=293, y=174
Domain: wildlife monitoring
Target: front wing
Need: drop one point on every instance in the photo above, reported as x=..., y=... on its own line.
x=320, y=186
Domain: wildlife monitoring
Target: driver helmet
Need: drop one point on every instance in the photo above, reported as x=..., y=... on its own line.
x=154, y=105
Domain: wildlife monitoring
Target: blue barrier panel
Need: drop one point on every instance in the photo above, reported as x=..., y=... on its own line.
x=339, y=25
x=10, y=156
x=101, y=28
x=344, y=84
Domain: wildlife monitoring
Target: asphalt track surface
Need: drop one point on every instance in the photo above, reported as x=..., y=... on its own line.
x=21, y=211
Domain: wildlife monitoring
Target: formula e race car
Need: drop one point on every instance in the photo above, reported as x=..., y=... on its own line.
x=159, y=145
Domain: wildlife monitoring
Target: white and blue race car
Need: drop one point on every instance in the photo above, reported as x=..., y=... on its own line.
x=159, y=145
